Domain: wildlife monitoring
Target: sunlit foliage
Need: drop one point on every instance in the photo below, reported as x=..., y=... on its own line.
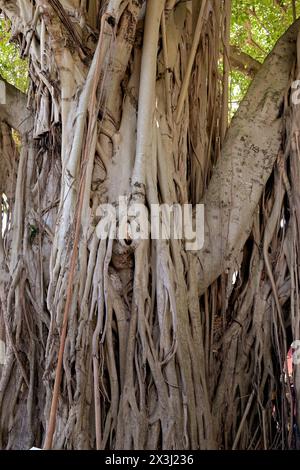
x=255, y=27
x=12, y=68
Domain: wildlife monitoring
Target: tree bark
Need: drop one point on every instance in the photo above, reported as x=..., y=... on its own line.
x=248, y=157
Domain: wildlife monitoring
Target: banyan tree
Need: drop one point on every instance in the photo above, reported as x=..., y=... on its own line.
x=144, y=343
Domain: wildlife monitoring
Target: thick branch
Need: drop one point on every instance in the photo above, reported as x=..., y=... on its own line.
x=250, y=149
x=14, y=112
x=243, y=62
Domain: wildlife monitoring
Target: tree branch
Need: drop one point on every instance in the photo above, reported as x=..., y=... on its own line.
x=243, y=62
x=250, y=150
x=14, y=112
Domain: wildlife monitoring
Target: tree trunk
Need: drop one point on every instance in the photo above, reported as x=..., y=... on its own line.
x=115, y=344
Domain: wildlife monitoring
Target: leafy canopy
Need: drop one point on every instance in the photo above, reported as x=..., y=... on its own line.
x=256, y=25
x=12, y=68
